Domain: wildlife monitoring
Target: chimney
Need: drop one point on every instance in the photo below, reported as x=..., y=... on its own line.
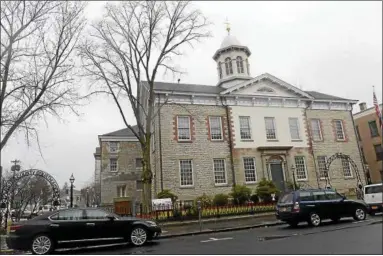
x=362, y=106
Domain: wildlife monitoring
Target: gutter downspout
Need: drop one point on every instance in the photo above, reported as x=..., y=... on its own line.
x=160, y=142
x=360, y=151
x=311, y=143
x=230, y=141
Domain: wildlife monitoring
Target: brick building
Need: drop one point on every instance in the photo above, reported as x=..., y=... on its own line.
x=370, y=140
x=206, y=138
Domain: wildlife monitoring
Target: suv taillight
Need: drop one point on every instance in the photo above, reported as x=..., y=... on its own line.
x=13, y=228
x=296, y=207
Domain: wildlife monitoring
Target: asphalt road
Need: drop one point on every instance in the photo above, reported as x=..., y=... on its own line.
x=346, y=237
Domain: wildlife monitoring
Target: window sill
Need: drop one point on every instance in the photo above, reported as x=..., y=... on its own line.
x=338, y=140
x=247, y=140
x=349, y=178
x=184, y=141
x=302, y=180
x=250, y=182
x=297, y=140
x=221, y=185
x=272, y=140
x=187, y=187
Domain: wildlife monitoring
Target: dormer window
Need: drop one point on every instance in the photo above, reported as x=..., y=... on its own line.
x=240, y=68
x=265, y=89
x=228, y=66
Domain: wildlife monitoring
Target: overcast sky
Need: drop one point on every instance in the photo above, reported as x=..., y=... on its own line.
x=331, y=47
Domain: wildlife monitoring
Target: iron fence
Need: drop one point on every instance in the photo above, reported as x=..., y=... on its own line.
x=181, y=211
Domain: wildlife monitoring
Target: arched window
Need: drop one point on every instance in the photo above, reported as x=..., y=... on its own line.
x=220, y=69
x=240, y=68
x=228, y=66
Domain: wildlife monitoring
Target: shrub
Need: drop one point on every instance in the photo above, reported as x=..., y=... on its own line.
x=264, y=190
x=240, y=194
x=221, y=200
x=254, y=198
x=206, y=200
x=166, y=193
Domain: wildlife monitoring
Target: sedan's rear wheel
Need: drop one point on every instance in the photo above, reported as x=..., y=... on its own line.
x=138, y=236
x=359, y=214
x=41, y=245
x=314, y=219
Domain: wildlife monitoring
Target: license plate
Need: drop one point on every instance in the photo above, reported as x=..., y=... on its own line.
x=284, y=209
x=374, y=207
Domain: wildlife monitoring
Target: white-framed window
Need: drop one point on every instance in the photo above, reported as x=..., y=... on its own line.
x=316, y=129
x=228, y=66
x=244, y=127
x=219, y=171
x=183, y=128
x=270, y=128
x=215, y=124
x=300, y=168
x=186, y=173
x=322, y=166
x=240, y=68
x=294, y=128
x=113, y=165
x=113, y=147
x=250, y=170
x=339, y=130
x=121, y=191
x=346, y=166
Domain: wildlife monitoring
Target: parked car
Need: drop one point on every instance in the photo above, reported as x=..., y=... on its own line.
x=315, y=205
x=373, y=197
x=79, y=227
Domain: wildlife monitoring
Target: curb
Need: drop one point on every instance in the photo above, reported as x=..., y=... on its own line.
x=271, y=224
x=167, y=224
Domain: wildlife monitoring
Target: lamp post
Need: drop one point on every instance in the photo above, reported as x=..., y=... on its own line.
x=71, y=179
x=294, y=182
x=87, y=197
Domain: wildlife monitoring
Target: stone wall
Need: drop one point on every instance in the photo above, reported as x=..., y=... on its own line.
x=329, y=146
x=127, y=173
x=201, y=150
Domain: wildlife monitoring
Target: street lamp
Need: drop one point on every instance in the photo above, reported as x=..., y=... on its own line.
x=87, y=197
x=71, y=179
x=294, y=182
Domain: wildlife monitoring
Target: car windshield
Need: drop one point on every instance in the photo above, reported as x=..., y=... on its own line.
x=287, y=199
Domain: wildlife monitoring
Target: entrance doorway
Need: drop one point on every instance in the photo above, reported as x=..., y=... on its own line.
x=276, y=171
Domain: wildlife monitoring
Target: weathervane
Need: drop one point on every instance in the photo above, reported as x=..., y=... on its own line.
x=227, y=26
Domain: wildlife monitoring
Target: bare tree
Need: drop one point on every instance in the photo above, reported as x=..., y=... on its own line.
x=38, y=39
x=135, y=41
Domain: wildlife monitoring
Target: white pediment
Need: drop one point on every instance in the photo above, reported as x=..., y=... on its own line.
x=266, y=85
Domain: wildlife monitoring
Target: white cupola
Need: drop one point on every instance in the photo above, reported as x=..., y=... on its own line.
x=232, y=60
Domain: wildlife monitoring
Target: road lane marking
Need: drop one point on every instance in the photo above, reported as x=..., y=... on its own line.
x=216, y=239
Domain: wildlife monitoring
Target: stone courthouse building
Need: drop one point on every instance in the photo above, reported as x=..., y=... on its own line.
x=208, y=137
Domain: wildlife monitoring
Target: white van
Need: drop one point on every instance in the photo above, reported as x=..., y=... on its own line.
x=373, y=197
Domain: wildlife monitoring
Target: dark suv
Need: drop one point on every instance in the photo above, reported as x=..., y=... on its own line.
x=315, y=205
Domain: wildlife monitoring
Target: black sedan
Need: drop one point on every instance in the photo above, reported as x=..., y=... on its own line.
x=79, y=227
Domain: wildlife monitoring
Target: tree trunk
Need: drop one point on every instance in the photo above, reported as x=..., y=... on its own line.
x=146, y=178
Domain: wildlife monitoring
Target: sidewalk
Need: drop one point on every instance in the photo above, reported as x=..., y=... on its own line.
x=218, y=225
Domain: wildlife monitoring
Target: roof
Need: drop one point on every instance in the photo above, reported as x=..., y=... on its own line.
x=126, y=132
x=192, y=88
x=213, y=89
x=322, y=96
x=229, y=40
